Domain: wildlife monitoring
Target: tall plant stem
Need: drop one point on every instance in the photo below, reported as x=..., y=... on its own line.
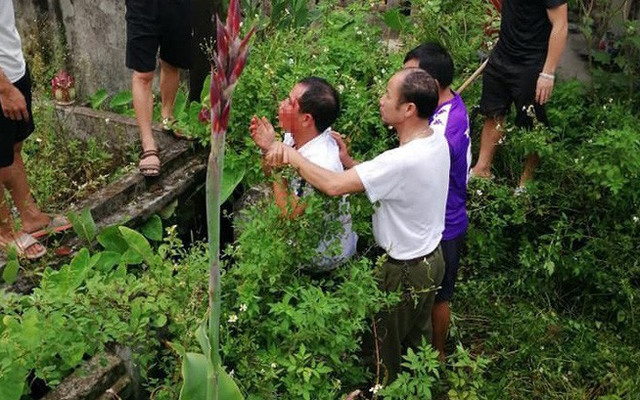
x=215, y=170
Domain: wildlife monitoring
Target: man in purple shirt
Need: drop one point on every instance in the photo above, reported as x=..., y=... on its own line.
x=450, y=119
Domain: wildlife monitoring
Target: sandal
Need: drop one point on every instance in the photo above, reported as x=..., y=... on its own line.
x=58, y=223
x=169, y=126
x=21, y=244
x=149, y=168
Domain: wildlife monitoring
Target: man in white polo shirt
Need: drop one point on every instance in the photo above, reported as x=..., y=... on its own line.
x=410, y=184
x=306, y=116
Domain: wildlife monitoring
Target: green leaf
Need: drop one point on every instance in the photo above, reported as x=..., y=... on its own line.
x=12, y=381
x=196, y=383
x=132, y=257
x=78, y=268
x=111, y=239
x=121, y=99
x=204, y=94
x=83, y=225
x=394, y=19
x=231, y=178
x=169, y=210
x=180, y=104
x=152, y=228
x=98, y=98
x=108, y=259
x=10, y=271
x=138, y=243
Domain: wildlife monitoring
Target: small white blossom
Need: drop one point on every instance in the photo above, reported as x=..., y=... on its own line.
x=232, y=373
x=274, y=365
x=232, y=318
x=376, y=388
x=291, y=61
x=38, y=140
x=243, y=307
x=340, y=88
x=636, y=219
x=107, y=120
x=479, y=192
x=358, y=32
x=590, y=141
x=383, y=71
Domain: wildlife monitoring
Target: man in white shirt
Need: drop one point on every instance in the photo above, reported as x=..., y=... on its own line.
x=16, y=124
x=410, y=183
x=306, y=116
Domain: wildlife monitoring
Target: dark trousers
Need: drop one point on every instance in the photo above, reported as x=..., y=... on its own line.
x=406, y=324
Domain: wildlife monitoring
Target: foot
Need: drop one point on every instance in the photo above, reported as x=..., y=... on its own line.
x=149, y=164
x=36, y=223
x=22, y=243
x=481, y=173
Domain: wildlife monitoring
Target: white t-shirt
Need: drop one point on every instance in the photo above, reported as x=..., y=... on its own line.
x=410, y=183
x=323, y=151
x=11, y=59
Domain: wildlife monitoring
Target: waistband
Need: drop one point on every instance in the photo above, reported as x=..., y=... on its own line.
x=414, y=260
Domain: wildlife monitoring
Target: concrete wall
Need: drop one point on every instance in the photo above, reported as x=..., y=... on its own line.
x=95, y=33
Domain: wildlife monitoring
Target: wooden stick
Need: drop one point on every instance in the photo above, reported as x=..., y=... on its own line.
x=473, y=76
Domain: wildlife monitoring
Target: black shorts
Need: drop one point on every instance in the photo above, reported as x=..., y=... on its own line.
x=504, y=83
x=451, y=250
x=13, y=132
x=153, y=24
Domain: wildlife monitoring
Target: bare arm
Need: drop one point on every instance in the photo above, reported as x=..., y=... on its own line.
x=14, y=106
x=557, y=42
x=289, y=204
x=328, y=182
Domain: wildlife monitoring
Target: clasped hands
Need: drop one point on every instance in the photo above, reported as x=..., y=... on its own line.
x=275, y=153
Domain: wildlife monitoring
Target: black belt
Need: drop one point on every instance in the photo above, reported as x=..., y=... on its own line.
x=413, y=260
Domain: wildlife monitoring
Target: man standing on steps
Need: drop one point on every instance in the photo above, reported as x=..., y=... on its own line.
x=16, y=124
x=153, y=24
x=521, y=70
x=450, y=120
x=410, y=185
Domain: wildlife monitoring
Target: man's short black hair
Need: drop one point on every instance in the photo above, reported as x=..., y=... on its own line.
x=419, y=88
x=434, y=59
x=320, y=100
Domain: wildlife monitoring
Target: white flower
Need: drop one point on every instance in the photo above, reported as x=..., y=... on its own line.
x=38, y=140
x=291, y=61
x=107, y=120
x=340, y=88
x=232, y=318
x=590, y=141
x=358, y=32
x=383, y=71
x=243, y=307
x=479, y=192
x=501, y=141
x=636, y=219
x=376, y=388
x=232, y=372
x=274, y=365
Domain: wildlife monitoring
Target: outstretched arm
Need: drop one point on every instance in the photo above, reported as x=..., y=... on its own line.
x=557, y=42
x=329, y=182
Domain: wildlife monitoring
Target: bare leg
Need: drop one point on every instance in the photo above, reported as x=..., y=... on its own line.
x=143, y=105
x=7, y=232
x=15, y=179
x=491, y=134
x=169, y=81
x=530, y=164
x=440, y=318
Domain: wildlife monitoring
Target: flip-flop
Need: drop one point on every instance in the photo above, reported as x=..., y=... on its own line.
x=152, y=168
x=59, y=223
x=21, y=244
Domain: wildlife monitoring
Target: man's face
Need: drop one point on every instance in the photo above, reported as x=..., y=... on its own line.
x=392, y=110
x=289, y=116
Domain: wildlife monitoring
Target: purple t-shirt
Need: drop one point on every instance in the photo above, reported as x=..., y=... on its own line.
x=452, y=120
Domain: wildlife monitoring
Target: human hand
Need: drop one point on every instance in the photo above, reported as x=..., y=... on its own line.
x=14, y=105
x=544, y=87
x=278, y=155
x=262, y=132
x=345, y=157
